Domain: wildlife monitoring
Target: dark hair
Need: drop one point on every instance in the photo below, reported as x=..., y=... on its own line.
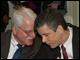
x=52, y=18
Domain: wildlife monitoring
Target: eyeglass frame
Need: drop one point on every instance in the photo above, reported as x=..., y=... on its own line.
x=28, y=32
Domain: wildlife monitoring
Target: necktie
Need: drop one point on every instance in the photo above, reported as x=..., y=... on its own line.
x=18, y=53
x=64, y=52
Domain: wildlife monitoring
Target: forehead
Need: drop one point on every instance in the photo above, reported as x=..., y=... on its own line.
x=27, y=23
x=28, y=20
x=44, y=29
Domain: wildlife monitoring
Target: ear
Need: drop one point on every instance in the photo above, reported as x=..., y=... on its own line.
x=60, y=29
x=14, y=30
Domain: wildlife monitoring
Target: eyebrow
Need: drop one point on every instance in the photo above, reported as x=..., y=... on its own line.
x=28, y=31
x=45, y=33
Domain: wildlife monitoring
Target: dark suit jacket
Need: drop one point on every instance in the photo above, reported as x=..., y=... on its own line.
x=75, y=42
x=36, y=51
x=51, y=53
x=27, y=52
x=54, y=53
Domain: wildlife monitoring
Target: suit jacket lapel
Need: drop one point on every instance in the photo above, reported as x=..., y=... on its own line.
x=6, y=51
x=25, y=51
x=54, y=53
x=34, y=49
x=6, y=45
x=75, y=44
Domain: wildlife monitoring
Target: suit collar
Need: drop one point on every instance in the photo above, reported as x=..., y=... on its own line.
x=35, y=48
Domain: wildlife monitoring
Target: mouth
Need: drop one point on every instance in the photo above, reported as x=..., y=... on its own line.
x=29, y=38
x=48, y=44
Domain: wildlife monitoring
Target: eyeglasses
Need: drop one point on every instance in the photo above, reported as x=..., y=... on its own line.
x=29, y=31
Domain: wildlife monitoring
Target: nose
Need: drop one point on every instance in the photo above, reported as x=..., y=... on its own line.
x=44, y=39
x=33, y=34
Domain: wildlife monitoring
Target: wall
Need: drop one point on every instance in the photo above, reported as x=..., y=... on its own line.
x=72, y=14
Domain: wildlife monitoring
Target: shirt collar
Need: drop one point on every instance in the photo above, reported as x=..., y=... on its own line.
x=69, y=40
x=67, y=43
x=13, y=41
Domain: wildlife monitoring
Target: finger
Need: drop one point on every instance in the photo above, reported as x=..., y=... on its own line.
x=58, y=57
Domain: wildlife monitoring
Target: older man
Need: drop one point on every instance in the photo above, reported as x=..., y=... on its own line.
x=22, y=33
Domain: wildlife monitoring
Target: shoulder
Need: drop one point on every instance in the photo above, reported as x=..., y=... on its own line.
x=42, y=53
x=75, y=28
x=5, y=36
x=46, y=52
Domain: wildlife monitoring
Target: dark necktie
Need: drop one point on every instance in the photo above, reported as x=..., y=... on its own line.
x=64, y=52
x=18, y=53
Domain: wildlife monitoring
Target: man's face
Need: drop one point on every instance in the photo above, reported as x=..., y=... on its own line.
x=28, y=27
x=53, y=39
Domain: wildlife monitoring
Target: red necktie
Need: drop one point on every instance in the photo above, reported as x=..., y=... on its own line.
x=64, y=52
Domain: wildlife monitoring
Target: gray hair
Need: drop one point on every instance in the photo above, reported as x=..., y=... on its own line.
x=18, y=16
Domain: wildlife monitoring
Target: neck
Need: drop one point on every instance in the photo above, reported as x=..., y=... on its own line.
x=65, y=36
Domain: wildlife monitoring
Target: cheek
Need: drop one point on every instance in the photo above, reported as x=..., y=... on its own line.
x=56, y=39
x=53, y=38
x=20, y=35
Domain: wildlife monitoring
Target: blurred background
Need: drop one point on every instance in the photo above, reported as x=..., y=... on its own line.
x=72, y=15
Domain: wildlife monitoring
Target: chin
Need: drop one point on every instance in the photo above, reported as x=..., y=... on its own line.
x=53, y=47
x=29, y=44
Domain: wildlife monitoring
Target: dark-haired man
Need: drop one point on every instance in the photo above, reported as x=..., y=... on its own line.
x=51, y=25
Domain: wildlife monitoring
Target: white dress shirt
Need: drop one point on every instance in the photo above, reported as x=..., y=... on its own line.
x=68, y=46
x=13, y=47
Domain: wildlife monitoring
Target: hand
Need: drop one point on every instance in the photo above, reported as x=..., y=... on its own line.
x=53, y=5
x=58, y=57
x=1, y=58
x=6, y=19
